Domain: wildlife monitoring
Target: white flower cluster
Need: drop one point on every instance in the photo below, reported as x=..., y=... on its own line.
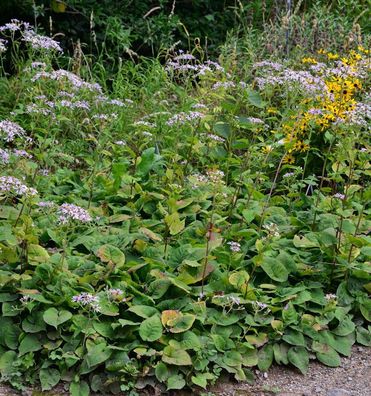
x=9, y=130
x=272, y=229
x=183, y=118
x=69, y=212
x=39, y=42
x=234, y=246
x=87, y=300
x=12, y=185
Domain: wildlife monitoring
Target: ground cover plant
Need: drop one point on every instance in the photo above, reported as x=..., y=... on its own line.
x=194, y=218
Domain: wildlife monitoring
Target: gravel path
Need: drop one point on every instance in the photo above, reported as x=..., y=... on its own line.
x=352, y=378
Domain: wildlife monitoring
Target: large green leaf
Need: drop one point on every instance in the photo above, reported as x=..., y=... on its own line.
x=265, y=357
x=97, y=353
x=294, y=337
x=30, y=343
x=280, y=353
x=151, y=329
x=49, y=378
x=201, y=379
x=9, y=333
x=112, y=255
x=326, y=354
x=275, y=269
x=7, y=360
x=54, y=318
x=178, y=357
x=363, y=336
x=181, y=323
x=298, y=356
x=79, y=389
x=144, y=311
x=346, y=326
x=36, y=254
x=174, y=223
x=175, y=381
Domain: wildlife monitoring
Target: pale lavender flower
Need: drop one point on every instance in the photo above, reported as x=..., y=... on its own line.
x=4, y=156
x=339, y=196
x=234, y=246
x=315, y=111
x=105, y=117
x=216, y=138
x=69, y=212
x=116, y=294
x=44, y=172
x=182, y=118
x=9, y=130
x=13, y=26
x=234, y=300
x=120, y=142
x=272, y=229
x=145, y=124
x=225, y=85
x=255, y=120
x=22, y=153
x=87, y=300
x=39, y=42
x=147, y=134
x=288, y=174
x=25, y=299
x=269, y=65
x=12, y=185
x=215, y=176
x=186, y=57
x=46, y=204
x=330, y=297
x=116, y=102
x=199, y=106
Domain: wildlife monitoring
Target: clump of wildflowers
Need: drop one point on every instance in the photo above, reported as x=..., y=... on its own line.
x=10, y=130
x=87, y=300
x=4, y=156
x=39, y=42
x=234, y=246
x=339, y=196
x=12, y=185
x=182, y=118
x=272, y=229
x=70, y=212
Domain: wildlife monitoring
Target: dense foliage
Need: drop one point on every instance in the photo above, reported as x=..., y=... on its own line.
x=198, y=218
x=116, y=27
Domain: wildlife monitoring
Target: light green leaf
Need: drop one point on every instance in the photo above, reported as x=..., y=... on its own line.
x=54, y=318
x=29, y=344
x=176, y=381
x=326, y=354
x=275, y=269
x=36, y=254
x=79, y=389
x=174, y=223
x=111, y=255
x=298, y=356
x=49, y=377
x=294, y=337
x=178, y=357
x=97, y=353
x=265, y=357
x=151, y=329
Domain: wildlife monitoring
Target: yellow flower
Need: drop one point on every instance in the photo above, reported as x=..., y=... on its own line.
x=309, y=60
x=288, y=159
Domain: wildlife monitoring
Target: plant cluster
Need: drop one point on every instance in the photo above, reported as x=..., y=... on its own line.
x=190, y=222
